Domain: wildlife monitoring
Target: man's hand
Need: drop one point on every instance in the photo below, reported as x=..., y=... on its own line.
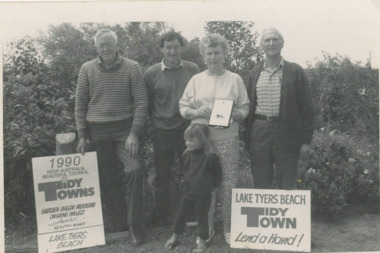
x=81, y=147
x=132, y=144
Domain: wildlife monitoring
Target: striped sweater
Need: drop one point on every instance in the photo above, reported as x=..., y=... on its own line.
x=110, y=95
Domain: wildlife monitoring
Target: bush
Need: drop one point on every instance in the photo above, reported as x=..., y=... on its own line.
x=35, y=109
x=347, y=96
x=339, y=171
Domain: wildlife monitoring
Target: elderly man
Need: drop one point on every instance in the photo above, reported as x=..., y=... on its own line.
x=280, y=122
x=111, y=108
x=166, y=82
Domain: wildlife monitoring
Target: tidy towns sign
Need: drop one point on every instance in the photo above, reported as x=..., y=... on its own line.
x=68, y=206
x=270, y=220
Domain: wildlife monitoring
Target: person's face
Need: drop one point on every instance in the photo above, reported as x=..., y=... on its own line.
x=272, y=44
x=214, y=57
x=193, y=143
x=172, y=50
x=107, y=47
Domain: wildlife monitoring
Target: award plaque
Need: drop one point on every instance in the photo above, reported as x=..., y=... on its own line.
x=221, y=113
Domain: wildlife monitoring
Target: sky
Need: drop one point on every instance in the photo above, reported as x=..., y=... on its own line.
x=310, y=27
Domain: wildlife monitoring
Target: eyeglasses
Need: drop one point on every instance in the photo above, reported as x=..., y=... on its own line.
x=106, y=46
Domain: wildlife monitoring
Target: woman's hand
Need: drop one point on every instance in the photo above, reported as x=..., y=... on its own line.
x=202, y=112
x=237, y=115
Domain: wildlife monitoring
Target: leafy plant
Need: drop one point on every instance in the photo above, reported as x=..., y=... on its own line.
x=338, y=173
x=347, y=96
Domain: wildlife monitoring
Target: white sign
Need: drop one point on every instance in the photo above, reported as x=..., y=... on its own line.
x=271, y=220
x=221, y=113
x=68, y=206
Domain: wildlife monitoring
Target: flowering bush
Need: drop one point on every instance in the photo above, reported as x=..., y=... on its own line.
x=339, y=171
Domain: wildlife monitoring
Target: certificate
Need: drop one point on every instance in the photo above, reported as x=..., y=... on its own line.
x=221, y=113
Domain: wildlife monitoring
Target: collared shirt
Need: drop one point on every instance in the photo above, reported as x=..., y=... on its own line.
x=268, y=90
x=117, y=65
x=163, y=65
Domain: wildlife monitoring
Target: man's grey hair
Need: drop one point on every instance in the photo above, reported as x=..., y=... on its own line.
x=271, y=30
x=103, y=31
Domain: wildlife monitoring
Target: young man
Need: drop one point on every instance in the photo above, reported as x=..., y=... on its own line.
x=280, y=121
x=166, y=82
x=111, y=108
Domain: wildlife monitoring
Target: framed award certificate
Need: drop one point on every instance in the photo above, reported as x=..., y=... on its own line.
x=221, y=113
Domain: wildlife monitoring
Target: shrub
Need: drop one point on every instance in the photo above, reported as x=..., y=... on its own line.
x=346, y=95
x=339, y=171
x=35, y=109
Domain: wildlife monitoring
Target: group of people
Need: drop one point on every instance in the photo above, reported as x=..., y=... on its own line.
x=114, y=98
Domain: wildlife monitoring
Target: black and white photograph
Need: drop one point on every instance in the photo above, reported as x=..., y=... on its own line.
x=115, y=138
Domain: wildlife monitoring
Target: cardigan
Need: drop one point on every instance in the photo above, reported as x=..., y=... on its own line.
x=295, y=123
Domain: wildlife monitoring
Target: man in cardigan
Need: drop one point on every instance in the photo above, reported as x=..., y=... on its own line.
x=111, y=108
x=166, y=82
x=280, y=122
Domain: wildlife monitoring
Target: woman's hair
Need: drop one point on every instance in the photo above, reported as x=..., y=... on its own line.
x=201, y=132
x=213, y=40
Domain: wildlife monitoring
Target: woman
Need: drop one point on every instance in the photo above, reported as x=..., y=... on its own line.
x=196, y=104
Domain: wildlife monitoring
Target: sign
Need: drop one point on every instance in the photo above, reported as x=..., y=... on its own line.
x=68, y=206
x=221, y=113
x=271, y=220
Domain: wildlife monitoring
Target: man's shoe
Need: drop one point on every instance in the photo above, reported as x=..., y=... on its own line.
x=136, y=235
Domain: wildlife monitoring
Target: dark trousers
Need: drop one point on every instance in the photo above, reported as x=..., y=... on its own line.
x=114, y=161
x=266, y=154
x=166, y=143
x=201, y=203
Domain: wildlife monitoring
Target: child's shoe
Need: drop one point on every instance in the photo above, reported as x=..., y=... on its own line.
x=211, y=236
x=227, y=237
x=172, y=242
x=201, y=245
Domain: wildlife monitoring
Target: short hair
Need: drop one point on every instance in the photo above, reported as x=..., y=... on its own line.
x=213, y=40
x=271, y=30
x=171, y=36
x=104, y=31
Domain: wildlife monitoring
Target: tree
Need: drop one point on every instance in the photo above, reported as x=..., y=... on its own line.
x=243, y=53
x=191, y=53
x=66, y=47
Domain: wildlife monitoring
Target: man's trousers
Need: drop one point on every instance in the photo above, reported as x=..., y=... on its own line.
x=109, y=142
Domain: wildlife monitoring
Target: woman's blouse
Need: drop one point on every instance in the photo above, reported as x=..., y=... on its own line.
x=203, y=89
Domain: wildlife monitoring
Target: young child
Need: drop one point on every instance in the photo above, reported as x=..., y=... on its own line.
x=201, y=173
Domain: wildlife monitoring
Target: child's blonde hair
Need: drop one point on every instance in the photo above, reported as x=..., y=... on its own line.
x=201, y=132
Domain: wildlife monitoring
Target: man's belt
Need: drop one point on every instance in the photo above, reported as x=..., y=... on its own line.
x=266, y=118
